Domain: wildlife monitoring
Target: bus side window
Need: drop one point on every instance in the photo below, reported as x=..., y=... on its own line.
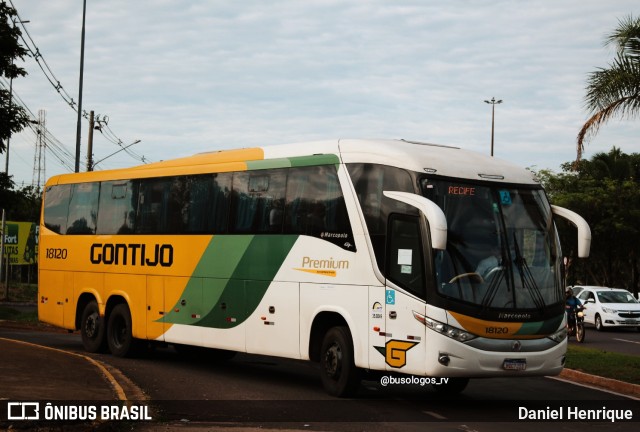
x=83, y=208
x=151, y=217
x=255, y=200
x=203, y=203
x=117, y=207
x=56, y=208
x=315, y=205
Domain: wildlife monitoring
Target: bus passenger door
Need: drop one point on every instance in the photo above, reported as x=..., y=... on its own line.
x=405, y=334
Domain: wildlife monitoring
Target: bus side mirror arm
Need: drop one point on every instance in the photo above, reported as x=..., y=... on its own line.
x=435, y=216
x=584, y=232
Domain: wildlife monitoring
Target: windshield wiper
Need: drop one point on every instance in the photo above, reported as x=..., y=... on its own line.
x=526, y=277
x=492, y=290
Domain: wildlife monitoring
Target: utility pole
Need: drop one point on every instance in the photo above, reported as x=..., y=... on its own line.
x=90, y=143
x=77, y=166
x=493, y=102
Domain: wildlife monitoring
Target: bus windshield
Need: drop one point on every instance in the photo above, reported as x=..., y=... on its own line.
x=502, y=249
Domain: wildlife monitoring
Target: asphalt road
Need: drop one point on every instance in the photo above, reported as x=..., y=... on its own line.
x=283, y=394
x=620, y=340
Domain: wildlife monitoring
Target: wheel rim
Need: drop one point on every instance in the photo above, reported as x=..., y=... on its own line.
x=91, y=325
x=598, y=323
x=119, y=332
x=333, y=360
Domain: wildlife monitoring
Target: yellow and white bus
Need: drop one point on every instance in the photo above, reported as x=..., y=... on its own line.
x=380, y=255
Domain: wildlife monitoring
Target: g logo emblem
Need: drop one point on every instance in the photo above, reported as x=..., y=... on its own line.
x=396, y=352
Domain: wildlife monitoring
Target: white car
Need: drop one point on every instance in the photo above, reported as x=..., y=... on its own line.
x=609, y=307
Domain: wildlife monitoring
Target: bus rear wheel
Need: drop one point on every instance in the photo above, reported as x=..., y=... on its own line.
x=119, y=333
x=92, y=329
x=340, y=376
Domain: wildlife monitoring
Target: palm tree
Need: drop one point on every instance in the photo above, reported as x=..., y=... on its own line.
x=614, y=91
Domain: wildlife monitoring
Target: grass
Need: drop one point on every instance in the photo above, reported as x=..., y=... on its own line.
x=606, y=364
x=9, y=313
x=20, y=292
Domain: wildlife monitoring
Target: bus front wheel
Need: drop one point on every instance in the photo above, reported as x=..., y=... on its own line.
x=92, y=328
x=340, y=376
x=119, y=336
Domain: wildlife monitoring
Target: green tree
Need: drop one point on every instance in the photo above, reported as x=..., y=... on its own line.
x=21, y=205
x=614, y=91
x=6, y=189
x=606, y=192
x=13, y=118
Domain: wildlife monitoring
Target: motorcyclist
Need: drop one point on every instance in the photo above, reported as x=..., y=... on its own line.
x=572, y=303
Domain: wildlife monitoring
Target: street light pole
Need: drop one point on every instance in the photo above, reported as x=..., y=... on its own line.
x=493, y=102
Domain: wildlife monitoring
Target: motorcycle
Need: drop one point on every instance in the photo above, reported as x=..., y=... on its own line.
x=576, y=317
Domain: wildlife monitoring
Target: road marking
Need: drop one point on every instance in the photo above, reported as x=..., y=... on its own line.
x=592, y=387
x=118, y=389
x=625, y=340
x=435, y=415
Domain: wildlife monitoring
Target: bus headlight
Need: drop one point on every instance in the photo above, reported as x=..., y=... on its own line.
x=560, y=335
x=445, y=329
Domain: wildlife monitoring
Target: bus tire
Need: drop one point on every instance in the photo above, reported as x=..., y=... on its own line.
x=119, y=337
x=92, y=329
x=453, y=387
x=340, y=377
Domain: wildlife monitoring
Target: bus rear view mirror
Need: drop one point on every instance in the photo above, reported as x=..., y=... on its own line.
x=584, y=232
x=433, y=213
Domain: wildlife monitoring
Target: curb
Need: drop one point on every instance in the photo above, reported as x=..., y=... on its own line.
x=624, y=388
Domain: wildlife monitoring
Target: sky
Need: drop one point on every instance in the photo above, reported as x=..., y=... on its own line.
x=189, y=76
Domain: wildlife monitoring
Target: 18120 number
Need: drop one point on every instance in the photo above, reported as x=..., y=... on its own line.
x=56, y=253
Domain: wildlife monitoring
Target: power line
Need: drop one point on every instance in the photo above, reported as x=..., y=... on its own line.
x=60, y=152
x=55, y=83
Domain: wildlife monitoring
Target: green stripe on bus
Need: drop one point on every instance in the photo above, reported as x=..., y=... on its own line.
x=231, y=278
x=268, y=164
x=540, y=327
x=298, y=161
x=320, y=159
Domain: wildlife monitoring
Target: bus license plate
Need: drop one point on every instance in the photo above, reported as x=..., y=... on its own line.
x=514, y=364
